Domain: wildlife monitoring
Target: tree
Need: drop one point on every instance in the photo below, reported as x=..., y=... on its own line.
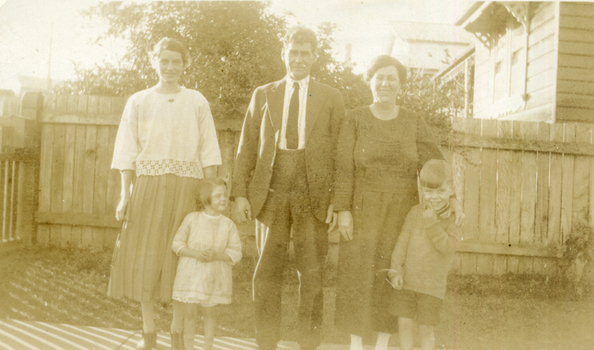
x=234, y=47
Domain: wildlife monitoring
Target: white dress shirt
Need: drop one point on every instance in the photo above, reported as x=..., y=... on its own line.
x=303, y=85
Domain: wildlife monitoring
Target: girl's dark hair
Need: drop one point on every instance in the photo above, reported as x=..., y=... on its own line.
x=386, y=61
x=206, y=188
x=435, y=173
x=171, y=45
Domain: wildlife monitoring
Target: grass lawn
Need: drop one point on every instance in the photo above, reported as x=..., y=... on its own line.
x=508, y=312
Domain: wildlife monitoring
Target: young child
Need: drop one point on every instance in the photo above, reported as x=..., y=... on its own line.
x=208, y=245
x=422, y=256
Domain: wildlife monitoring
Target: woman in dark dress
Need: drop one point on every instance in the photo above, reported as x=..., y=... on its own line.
x=380, y=149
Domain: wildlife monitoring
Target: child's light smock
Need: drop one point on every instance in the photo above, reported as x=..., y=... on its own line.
x=166, y=134
x=199, y=282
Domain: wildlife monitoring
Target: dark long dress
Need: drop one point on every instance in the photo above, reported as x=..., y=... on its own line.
x=377, y=163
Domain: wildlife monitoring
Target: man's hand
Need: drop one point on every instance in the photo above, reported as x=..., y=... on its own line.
x=121, y=209
x=331, y=218
x=397, y=282
x=243, y=209
x=345, y=225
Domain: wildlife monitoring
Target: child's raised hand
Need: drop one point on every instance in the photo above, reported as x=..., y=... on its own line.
x=429, y=212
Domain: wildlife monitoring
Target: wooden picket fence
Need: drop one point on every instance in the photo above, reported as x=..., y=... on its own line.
x=19, y=168
x=78, y=190
x=17, y=195
x=524, y=187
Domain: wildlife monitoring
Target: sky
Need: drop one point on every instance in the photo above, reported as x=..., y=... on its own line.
x=26, y=27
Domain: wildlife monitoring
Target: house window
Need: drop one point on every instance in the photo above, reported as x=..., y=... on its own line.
x=509, y=67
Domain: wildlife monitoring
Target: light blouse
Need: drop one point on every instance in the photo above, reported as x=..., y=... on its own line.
x=166, y=134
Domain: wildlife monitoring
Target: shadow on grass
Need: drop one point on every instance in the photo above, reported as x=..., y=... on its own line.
x=507, y=312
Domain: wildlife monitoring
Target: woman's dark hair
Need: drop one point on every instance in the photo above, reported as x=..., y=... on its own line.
x=435, y=173
x=386, y=61
x=206, y=188
x=301, y=35
x=171, y=45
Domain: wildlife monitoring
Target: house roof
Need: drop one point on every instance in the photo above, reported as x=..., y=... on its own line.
x=431, y=32
x=470, y=10
x=36, y=83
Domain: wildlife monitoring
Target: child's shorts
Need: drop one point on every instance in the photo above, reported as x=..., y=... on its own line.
x=410, y=304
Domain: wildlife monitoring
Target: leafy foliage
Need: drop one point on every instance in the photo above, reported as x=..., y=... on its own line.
x=436, y=101
x=235, y=47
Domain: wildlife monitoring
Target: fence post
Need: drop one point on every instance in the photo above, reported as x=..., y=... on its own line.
x=25, y=225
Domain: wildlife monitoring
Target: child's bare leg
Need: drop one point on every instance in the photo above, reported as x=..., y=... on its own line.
x=382, y=341
x=209, y=316
x=191, y=311
x=427, y=337
x=356, y=342
x=405, y=331
x=177, y=322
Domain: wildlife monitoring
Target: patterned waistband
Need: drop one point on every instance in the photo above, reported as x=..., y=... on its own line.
x=169, y=166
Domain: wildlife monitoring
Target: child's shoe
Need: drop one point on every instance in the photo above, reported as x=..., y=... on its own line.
x=177, y=341
x=148, y=341
x=208, y=343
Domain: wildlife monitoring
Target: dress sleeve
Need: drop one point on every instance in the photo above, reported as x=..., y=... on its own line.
x=344, y=177
x=233, y=248
x=127, y=146
x=399, y=253
x=208, y=145
x=180, y=239
x=427, y=148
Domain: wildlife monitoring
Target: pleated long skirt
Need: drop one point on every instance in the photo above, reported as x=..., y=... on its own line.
x=143, y=266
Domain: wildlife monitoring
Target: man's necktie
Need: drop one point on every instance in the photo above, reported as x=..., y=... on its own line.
x=292, y=132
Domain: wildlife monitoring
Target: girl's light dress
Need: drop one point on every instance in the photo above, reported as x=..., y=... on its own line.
x=207, y=283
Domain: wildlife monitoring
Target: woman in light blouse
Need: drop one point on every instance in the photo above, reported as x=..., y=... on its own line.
x=167, y=140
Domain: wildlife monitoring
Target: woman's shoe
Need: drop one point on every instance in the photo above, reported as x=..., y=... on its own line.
x=148, y=341
x=177, y=341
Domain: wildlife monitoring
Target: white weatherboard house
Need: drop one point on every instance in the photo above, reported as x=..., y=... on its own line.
x=534, y=61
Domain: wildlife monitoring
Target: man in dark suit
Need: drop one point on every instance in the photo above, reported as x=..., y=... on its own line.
x=282, y=177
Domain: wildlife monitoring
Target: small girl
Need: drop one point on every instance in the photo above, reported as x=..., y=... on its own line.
x=208, y=245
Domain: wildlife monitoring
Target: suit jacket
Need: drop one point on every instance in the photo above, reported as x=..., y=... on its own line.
x=260, y=136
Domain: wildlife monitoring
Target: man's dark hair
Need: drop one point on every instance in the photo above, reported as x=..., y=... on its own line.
x=301, y=35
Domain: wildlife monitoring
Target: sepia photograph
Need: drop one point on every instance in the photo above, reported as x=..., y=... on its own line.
x=296, y=175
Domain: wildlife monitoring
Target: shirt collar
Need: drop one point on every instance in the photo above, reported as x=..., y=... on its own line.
x=303, y=83
x=445, y=212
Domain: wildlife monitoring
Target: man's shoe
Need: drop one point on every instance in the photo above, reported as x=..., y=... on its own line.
x=177, y=341
x=148, y=341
